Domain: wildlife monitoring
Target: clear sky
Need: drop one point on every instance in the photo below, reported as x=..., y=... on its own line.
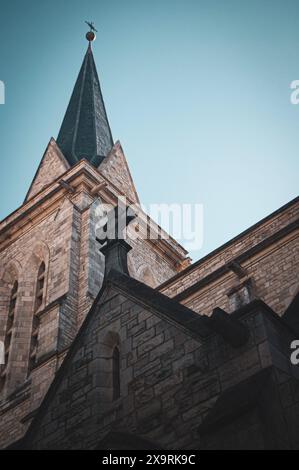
x=197, y=91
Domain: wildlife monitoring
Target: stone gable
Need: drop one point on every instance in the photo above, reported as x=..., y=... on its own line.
x=174, y=387
x=52, y=165
x=116, y=169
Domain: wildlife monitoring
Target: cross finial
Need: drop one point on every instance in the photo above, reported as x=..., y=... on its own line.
x=91, y=25
x=90, y=35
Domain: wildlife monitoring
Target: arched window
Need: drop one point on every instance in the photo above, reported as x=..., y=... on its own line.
x=39, y=297
x=8, y=332
x=116, y=373
x=40, y=287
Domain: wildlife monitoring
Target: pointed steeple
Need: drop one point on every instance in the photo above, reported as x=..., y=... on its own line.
x=85, y=130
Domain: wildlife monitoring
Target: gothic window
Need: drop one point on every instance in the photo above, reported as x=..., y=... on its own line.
x=8, y=332
x=39, y=297
x=110, y=366
x=116, y=373
x=40, y=287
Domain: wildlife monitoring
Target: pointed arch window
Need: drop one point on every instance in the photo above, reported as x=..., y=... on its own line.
x=8, y=332
x=40, y=286
x=116, y=373
x=39, y=297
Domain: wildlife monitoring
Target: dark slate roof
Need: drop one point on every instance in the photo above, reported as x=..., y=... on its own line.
x=85, y=130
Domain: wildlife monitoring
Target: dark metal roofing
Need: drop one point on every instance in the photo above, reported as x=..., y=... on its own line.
x=85, y=130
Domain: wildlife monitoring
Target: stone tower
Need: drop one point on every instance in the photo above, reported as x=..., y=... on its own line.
x=51, y=268
x=126, y=345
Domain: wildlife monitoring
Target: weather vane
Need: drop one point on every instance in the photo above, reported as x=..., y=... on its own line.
x=90, y=36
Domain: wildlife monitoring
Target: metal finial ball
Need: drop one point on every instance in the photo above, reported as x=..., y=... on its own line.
x=90, y=36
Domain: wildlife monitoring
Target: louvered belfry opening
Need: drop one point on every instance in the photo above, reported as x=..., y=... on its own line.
x=39, y=297
x=9, y=332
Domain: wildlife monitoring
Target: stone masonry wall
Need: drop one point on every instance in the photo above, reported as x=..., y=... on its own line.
x=48, y=241
x=17, y=412
x=169, y=380
x=65, y=241
x=273, y=274
x=251, y=238
x=145, y=263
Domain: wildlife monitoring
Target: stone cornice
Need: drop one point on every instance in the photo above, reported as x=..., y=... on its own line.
x=193, y=267
x=242, y=257
x=82, y=177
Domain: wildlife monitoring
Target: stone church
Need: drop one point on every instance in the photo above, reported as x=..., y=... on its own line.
x=128, y=345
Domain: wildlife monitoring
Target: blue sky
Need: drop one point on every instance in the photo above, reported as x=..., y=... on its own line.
x=198, y=93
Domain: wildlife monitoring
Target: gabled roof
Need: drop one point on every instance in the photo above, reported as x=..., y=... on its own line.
x=191, y=323
x=85, y=130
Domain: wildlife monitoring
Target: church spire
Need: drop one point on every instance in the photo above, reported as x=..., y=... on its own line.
x=85, y=130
